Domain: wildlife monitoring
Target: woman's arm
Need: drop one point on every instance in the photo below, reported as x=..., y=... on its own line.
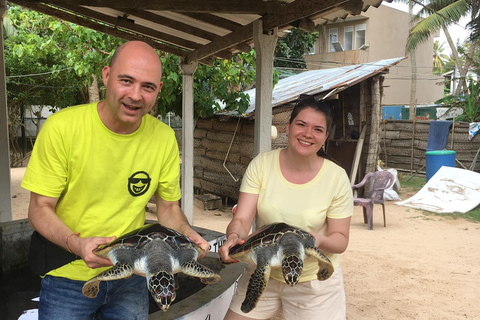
x=239, y=228
x=336, y=239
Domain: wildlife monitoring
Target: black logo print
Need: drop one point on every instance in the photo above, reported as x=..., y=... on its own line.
x=138, y=183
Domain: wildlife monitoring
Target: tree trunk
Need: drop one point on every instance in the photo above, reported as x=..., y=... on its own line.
x=93, y=94
x=413, y=82
x=456, y=58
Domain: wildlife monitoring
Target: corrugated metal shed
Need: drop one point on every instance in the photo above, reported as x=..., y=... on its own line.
x=320, y=81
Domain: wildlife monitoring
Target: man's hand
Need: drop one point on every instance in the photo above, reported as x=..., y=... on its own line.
x=197, y=239
x=84, y=247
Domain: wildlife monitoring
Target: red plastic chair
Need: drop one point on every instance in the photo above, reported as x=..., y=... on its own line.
x=379, y=181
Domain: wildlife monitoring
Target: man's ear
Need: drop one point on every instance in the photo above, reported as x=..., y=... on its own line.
x=105, y=75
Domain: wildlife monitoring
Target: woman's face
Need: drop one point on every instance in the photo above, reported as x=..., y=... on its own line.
x=308, y=132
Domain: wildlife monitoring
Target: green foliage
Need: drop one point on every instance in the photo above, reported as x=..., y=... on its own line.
x=221, y=84
x=414, y=183
x=58, y=57
x=290, y=49
x=469, y=103
x=432, y=17
x=439, y=58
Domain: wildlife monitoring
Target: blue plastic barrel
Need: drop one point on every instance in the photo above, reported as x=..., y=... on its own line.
x=438, y=158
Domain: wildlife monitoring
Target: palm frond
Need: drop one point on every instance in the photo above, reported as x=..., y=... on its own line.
x=452, y=11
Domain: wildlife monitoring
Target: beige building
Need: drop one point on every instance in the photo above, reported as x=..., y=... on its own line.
x=372, y=36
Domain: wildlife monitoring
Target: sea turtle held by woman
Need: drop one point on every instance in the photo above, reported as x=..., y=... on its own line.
x=274, y=246
x=157, y=253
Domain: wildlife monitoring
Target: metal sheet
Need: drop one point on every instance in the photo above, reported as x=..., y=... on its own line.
x=317, y=81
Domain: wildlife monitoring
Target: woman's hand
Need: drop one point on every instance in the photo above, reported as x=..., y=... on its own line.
x=232, y=240
x=318, y=239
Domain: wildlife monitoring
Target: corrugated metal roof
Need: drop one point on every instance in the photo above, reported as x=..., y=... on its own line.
x=318, y=81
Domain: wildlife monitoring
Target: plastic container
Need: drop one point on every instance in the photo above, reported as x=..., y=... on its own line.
x=438, y=158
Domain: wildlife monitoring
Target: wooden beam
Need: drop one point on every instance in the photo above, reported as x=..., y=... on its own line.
x=283, y=16
x=214, y=20
x=131, y=25
x=207, y=6
x=94, y=25
x=304, y=24
x=297, y=10
x=238, y=36
x=353, y=7
x=174, y=24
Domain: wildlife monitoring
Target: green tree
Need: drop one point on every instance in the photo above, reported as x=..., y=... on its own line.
x=439, y=14
x=439, y=58
x=290, y=49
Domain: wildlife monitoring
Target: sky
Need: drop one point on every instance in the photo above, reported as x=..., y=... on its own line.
x=457, y=32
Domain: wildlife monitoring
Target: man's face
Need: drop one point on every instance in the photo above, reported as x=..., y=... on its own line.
x=133, y=83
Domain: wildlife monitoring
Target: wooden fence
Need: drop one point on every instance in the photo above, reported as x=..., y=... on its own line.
x=403, y=144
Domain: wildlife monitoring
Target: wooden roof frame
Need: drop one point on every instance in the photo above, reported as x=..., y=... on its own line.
x=209, y=27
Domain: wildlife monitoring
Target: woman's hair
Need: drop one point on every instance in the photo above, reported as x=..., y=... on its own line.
x=307, y=101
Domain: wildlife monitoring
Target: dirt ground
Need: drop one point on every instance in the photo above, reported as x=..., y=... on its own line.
x=418, y=267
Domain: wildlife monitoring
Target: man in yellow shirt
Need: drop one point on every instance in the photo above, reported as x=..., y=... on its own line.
x=93, y=169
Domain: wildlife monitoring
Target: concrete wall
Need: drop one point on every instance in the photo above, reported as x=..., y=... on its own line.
x=386, y=35
x=14, y=244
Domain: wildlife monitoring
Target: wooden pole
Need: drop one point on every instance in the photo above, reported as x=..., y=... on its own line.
x=374, y=128
x=385, y=141
x=413, y=140
x=188, y=69
x=6, y=211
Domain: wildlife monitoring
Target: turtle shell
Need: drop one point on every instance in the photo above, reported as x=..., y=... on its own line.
x=138, y=238
x=268, y=235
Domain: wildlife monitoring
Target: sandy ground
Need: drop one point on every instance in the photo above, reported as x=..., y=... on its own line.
x=418, y=267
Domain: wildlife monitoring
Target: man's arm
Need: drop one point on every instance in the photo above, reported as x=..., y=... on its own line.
x=42, y=217
x=170, y=215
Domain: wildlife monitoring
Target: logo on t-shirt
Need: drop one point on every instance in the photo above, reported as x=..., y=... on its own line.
x=138, y=183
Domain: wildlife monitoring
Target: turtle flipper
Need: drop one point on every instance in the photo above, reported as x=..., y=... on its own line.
x=325, y=266
x=118, y=271
x=162, y=287
x=195, y=269
x=292, y=267
x=256, y=285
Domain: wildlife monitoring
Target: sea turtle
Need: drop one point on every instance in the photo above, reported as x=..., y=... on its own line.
x=273, y=246
x=157, y=253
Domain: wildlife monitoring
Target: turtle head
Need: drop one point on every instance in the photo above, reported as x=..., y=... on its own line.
x=162, y=288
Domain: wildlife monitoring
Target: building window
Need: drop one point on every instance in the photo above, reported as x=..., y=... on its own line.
x=348, y=38
x=360, y=35
x=332, y=37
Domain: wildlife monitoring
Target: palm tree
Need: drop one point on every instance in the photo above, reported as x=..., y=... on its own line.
x=439, y=58
x=439, y=15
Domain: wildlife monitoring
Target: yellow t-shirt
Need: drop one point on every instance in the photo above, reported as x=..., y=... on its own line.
x=305, y=206
x=102, y=180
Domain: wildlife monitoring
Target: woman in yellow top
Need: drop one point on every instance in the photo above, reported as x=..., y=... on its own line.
x=302, y=186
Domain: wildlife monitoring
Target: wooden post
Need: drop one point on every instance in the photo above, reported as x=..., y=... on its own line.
x=363, y=109
x=375, y=127
x=264, y=46
x=187, y=139
x=6, y=213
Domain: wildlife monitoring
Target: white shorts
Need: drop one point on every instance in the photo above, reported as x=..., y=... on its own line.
x=310, y=300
